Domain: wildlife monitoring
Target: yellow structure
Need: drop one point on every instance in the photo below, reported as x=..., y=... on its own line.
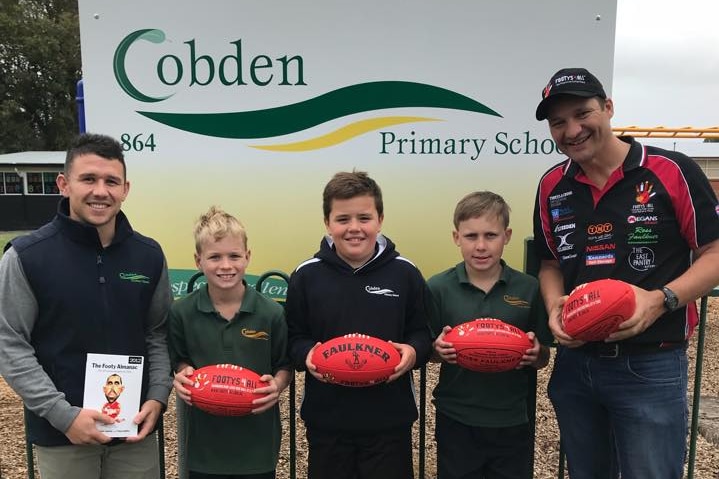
x=663, y=132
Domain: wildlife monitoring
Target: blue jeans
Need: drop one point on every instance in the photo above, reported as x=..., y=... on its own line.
x=631, y=410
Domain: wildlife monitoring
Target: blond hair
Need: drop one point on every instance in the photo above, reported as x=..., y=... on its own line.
x=481, y=203
x=216, y=224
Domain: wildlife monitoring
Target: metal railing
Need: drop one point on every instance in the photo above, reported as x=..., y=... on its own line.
x=694, y=434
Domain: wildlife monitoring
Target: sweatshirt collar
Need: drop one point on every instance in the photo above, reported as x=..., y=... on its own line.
x=84, y=233
x=381, y=246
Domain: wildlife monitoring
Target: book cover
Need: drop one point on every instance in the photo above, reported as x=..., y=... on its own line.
x=112, y=386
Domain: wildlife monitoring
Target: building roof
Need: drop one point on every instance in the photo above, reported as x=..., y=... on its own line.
x=30, y=158
x=694, y=148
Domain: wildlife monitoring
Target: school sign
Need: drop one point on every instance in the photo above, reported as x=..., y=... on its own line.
x=254, y=105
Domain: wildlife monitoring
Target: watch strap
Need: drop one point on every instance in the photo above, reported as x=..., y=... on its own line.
x=671, y=301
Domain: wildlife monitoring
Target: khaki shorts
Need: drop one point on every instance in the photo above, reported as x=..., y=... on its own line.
x=138, y=460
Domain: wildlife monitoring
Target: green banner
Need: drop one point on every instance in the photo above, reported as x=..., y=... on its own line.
x=273, y=285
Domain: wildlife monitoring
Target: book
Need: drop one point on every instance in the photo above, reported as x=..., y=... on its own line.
x=112, y=386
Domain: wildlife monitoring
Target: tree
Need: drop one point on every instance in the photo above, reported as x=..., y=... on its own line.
x=39, y=68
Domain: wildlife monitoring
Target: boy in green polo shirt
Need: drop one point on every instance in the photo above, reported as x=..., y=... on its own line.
x=226, y=321
x=482, y=427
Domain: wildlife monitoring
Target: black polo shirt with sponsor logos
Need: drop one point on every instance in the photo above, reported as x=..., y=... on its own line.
x=640, y=228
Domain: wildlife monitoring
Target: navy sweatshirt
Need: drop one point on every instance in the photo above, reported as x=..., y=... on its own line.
x=386, y=298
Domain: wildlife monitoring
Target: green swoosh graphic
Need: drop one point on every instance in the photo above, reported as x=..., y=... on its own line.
x=118, y=63
x=329, y=106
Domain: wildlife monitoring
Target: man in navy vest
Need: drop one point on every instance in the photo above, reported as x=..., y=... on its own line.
x=85, y=283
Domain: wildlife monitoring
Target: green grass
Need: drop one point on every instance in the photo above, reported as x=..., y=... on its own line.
x=6, y=236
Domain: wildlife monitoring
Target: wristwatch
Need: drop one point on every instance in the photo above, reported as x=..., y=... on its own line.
x=671, y=302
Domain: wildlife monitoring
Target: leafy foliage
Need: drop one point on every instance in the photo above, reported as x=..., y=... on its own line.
x=39, y=68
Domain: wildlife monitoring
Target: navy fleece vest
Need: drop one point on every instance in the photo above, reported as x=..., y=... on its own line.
x=90, y=300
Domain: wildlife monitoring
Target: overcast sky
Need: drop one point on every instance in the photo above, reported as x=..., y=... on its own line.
x=666, y=65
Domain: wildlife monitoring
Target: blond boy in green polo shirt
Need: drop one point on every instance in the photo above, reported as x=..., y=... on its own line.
x=227, y=321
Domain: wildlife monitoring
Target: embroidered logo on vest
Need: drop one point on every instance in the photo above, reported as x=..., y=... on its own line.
x=135, y=277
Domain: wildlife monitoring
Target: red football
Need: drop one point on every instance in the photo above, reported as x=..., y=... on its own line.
x=594, y=310
x=225, y=389
x=355, y=360
x=488, y=345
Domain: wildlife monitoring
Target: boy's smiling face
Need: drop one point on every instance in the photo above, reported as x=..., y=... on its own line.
x=353, y=225
x=223, y=261
x=481, y=241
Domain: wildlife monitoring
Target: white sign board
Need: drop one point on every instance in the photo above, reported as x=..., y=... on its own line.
x=254, y=105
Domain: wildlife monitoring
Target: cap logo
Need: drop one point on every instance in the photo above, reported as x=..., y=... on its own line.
x=570, y=81
x=547, y=89
x=570, y=78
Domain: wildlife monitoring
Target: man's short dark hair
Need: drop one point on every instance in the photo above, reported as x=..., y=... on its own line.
x=94, y=144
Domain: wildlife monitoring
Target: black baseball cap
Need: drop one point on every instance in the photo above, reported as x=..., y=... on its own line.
x=569, y=81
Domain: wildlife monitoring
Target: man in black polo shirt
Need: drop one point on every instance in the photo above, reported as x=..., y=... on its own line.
x=617, y=209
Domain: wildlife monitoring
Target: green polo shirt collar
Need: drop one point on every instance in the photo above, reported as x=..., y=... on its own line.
x=461, y=271
x=204, y=302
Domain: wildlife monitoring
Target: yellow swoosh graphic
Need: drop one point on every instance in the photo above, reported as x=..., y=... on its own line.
x=514, y=301
x=252, y=334
x=343, y=134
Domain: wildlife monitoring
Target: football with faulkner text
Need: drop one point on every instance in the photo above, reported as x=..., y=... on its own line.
x=355, y=360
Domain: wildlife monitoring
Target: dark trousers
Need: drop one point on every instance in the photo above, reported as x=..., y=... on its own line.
x=467, y=452
x=200, y=475
x=366, y=455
